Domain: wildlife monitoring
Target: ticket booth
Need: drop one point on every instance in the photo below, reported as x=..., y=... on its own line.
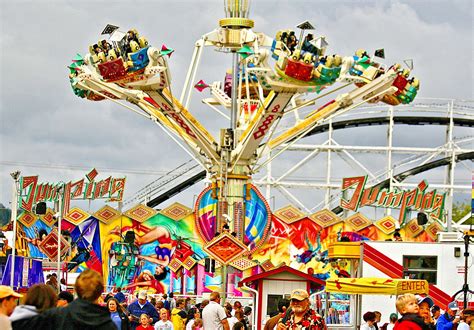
x=277, y=284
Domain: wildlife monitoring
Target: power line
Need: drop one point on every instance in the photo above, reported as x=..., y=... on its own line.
x=82, y=168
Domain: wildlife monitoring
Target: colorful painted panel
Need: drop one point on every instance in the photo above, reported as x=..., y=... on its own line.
x=358, y=221
x=107, y=214
x=176, y=211
x=257, y=218
x=76, y=216
x=140, y=213
x=289, y=214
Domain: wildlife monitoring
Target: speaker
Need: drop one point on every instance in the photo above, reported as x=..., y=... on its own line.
x=207, y=265
x=421, y=219
x=40, y=208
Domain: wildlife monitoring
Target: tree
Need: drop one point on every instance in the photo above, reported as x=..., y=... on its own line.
x=5, y=215
x=460, y=209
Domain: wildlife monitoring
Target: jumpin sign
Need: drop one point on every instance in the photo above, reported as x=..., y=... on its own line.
x=32, y=192
x=418, y=199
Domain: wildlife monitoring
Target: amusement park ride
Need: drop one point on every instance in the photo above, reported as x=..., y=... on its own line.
x=258, y=93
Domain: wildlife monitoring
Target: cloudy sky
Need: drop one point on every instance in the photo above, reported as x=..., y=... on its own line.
x=48, y=131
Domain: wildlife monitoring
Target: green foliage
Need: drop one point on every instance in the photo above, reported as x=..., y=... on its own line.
x=460, y=209
x=5, y=215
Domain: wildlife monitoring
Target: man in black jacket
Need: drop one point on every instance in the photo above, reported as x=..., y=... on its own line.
x=83, y=313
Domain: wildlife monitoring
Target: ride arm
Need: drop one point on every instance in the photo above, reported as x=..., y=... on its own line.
x=193, y=130
x=268, y=113
x=375, y=89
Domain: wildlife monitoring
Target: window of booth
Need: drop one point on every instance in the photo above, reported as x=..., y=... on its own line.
x=272, y=303
x=420, y=268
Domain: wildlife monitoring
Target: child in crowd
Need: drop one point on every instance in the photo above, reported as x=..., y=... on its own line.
x=407, y=305
x=144, y=323
x=164, y=323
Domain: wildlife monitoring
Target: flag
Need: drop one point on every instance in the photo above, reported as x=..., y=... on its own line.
x=245, y=51
x=166, y=51
x=380, y=53
x=201, y=85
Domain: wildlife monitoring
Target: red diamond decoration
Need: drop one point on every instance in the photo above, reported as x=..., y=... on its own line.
x=289, y=214
x=358, y=221
x=325, y=218
x=49, y=246
x=140, y=213
x=176, y=211
x=48, y=218
x=386, y=225
x=225, y=248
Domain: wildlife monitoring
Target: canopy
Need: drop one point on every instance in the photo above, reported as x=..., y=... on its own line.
x=372, y=285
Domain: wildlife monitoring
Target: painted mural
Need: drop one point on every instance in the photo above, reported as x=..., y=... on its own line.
x=163, y=251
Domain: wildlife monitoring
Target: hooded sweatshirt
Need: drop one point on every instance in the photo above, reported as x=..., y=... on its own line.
x=78, y=315
x=23, y=312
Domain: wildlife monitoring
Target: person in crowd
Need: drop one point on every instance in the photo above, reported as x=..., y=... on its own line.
x=247, y=318
x=238, y=315
x=237, y=305
x=8, y=301
x=467, y=318
x=145, y=322
x=301, y=315
x=187, y=304
x=120, y=296
x=117, y=314
x=283, y=304
x=238, y=326
x=139, y=307
x=448, y=320
x=178, y=315
x=407, y=305
x=436, y=313
x=197, y=324
x=53, y=282
x=39, y=298
x=332, y=317
x=159, y=305
x=193, y=314
x=393, y=318
x=62, y=284
x=166, y=301
x=369, y=319
x=213, y=315
x=164, y=323
x=203, y=304
x=172, y=301
x=425, y=304
x=83, y=313
x=108, y=296
x=64, y=298
x=378, y=318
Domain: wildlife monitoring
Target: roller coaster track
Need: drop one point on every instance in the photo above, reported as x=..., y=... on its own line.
x=179, y=182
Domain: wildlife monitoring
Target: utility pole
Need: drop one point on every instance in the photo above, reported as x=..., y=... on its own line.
x=15, y=192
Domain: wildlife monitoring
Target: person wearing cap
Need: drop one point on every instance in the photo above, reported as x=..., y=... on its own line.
x=300, y=315
x=8, y=301
x=64, y=298
x=393, y=318
x=425, y=304
x=435, y=313
x=448, y=319
x=139, y=307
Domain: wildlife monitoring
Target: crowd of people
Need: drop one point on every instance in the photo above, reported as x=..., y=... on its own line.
x=43, y=308
x=420, y=313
